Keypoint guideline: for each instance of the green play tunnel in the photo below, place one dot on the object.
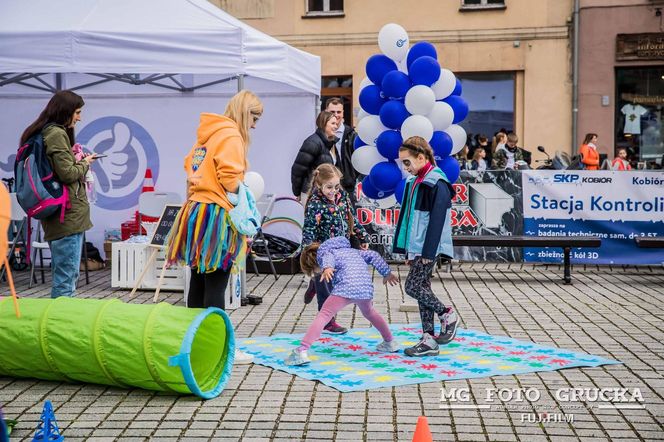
(153, 346)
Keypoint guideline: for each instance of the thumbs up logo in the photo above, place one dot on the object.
(130, 149)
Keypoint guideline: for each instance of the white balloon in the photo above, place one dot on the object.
(361, 114)
(459, 137)
(403, 66)
(255, 183)
(393, 41)
(445, 85)
(420, 100)
(365, 82)
(369, 128)
(387, 203)
(441, 116)
(416, 125)
(365, 158)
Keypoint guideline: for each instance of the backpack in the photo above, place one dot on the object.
(38, 192)
(245, 215)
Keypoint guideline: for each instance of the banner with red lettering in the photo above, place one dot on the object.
(486, 203)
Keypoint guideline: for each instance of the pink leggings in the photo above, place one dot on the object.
(332, 306)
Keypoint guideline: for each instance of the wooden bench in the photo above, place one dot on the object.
(649, 243)
(567, 243)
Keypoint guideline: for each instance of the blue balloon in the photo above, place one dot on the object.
(370, 190)
(385, 176)
(457, 89)
(442, 145)
(378, 66)
(358, 142)
(371, 99)
(459, 106)
(398, 191)
(388, 144)
(425, 70)
(393, 114)
(450, 166)
(420, 49)
(395, 84)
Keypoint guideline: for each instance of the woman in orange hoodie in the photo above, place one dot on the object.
(588, 151)
(202, 236)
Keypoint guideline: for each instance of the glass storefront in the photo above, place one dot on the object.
(490, 97)
(639, 108)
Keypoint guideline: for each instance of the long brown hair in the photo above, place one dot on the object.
(325, 172)
(418, 145)
(323, 118)
(59, 110)
(589, 138)
(308, 259)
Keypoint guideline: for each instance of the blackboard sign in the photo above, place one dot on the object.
(166, 221)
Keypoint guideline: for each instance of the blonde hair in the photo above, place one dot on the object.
(308, 259)
(500, 137)
(418, 145)
(242, 108)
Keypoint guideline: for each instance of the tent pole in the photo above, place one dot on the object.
(240, 82)
(58, 82)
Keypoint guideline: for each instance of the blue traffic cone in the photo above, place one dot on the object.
(48, 430)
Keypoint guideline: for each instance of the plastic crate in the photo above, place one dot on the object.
(128, 261)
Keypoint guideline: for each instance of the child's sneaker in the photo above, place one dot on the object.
(388, 347)
(448, 327)
(242, 357)
(297, 358)
(335, 329)
(426, 347)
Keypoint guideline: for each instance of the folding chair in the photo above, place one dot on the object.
(20, 218)
(264, 206)
(38, 246)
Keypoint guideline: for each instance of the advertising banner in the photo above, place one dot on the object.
(486, 203)
(616, 206)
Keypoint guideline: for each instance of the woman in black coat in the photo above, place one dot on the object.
(317, 149)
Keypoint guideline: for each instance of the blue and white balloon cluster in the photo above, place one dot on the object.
(406, 93)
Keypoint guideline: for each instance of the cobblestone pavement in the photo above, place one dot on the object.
(616, 312)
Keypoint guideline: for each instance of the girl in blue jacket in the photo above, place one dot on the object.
(346, 268)
(423, 233)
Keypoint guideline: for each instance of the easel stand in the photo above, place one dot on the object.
(148, 264)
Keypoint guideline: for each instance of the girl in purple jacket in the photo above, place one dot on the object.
(347, 269)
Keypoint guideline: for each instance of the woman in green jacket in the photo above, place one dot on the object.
(65, 239)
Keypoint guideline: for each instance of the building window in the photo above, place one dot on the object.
(639, 114)
(342, 87)
(490, 97)
(325, 8)
(482, 4)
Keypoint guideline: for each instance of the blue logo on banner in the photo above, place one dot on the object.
(130, 149)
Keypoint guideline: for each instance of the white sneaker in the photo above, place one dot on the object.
(242, 357)
(388, 347)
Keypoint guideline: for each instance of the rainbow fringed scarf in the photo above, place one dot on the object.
(204, 237)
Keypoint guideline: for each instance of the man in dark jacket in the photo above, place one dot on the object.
(345, 148)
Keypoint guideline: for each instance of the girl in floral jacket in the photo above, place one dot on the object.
(329, 213)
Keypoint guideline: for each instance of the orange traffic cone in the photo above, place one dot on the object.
(422, 432)
(148, 182)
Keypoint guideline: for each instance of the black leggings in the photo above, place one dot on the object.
(208, 289)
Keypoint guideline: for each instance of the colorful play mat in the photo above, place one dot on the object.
(350, 363)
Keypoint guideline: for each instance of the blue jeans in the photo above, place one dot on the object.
(66, 262)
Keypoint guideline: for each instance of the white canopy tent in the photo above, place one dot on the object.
(146, 69)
